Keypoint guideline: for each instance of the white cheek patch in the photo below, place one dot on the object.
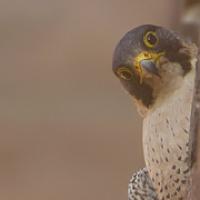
(171, 70)
(172, 76)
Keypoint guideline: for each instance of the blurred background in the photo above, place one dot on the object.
(68, 129)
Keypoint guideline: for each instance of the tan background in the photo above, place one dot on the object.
(68, 130)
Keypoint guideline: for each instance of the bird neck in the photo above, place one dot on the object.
(166, 135)
(180, 87)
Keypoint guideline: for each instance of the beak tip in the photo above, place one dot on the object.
(150, 66)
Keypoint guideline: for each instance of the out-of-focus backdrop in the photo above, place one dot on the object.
(68, 130)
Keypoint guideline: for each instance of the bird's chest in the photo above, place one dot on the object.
(165, 141)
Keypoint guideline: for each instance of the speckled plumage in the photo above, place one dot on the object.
(165, 142)
(140, 187)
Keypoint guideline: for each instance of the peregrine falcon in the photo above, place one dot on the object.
(156, 67)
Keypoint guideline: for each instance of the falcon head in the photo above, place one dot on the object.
(151, 62)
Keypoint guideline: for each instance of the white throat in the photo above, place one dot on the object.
(166, 135)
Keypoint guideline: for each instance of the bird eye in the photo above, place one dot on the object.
(150, 39)
(125, 73)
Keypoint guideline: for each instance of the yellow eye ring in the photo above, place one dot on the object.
(151, 39)
(125, 73)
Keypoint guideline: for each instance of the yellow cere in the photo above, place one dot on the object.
(145, 55)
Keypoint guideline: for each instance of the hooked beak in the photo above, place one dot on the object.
(150, 66)
(147, 61)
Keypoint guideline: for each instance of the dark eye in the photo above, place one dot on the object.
(150, 39)
(125, 73)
